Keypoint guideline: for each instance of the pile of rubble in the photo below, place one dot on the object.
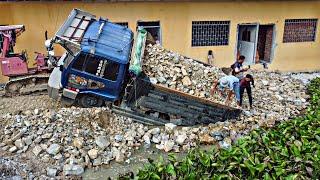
(71, 139)
(185, 74)
(179, 72)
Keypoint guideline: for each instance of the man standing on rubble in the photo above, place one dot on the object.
(245, 84)
(238, 69)
(228, 83)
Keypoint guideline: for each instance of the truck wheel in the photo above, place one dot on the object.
(88, 101)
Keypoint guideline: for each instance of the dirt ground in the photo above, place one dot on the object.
(17, 104)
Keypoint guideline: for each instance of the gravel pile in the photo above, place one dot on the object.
(72, 139)
(178, 72)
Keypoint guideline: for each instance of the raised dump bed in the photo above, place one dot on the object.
(165, 105)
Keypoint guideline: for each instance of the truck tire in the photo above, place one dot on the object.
(88, 101)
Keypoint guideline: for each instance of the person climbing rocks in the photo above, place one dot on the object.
(245, 84)
(228, 83)
(238, 69)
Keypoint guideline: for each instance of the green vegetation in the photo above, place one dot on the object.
(290, 150)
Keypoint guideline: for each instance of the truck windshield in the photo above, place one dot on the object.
(97, 66)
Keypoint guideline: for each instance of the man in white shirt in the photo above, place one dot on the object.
(228, 83)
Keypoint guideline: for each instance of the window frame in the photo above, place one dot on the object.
(214, 26)
(313, 21)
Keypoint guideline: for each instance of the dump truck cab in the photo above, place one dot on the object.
(95, 66)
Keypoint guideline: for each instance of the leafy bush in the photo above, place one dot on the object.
(290, 150)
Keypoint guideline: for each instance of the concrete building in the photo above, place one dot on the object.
(282, 34)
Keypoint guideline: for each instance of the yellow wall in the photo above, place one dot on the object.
(175, 20)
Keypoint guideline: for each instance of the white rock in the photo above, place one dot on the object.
(146, 138)
(70, 169)
(93, 153)
(53, 149)
(36, 150)
(19, 143)
(155, 131)
(27, 123)
(168, 145)
(155, 139)
(184, 72)
(118, 137)
(264, 82)
(280, 98)
(102, 142)
(36, 111)
(52, 172)
(273, 88)
(13, 149)
(28, 140)
(170, 127)
(181, 138)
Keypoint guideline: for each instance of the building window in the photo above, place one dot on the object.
(153, 28)
(300, 30)
(125, 24)
(210, 33)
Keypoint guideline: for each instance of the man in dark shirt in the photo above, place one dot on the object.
(238, 69)
(245, 83)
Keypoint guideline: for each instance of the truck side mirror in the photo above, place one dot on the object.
(61, 68)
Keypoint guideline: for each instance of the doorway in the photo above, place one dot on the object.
(256, 42)
(153, 27)
(265, 43)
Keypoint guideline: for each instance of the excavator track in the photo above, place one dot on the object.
(26, 85)
(157, 105)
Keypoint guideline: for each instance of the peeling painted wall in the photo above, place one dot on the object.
(176, 21)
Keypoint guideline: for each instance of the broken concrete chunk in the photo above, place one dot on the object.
(102, 142)
(186, 81)
(36, 150)
(93, 153)
(70, 169)
(170, 127)
(53, 149)
(78, 142)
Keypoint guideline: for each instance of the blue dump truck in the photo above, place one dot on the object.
(102, 65)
